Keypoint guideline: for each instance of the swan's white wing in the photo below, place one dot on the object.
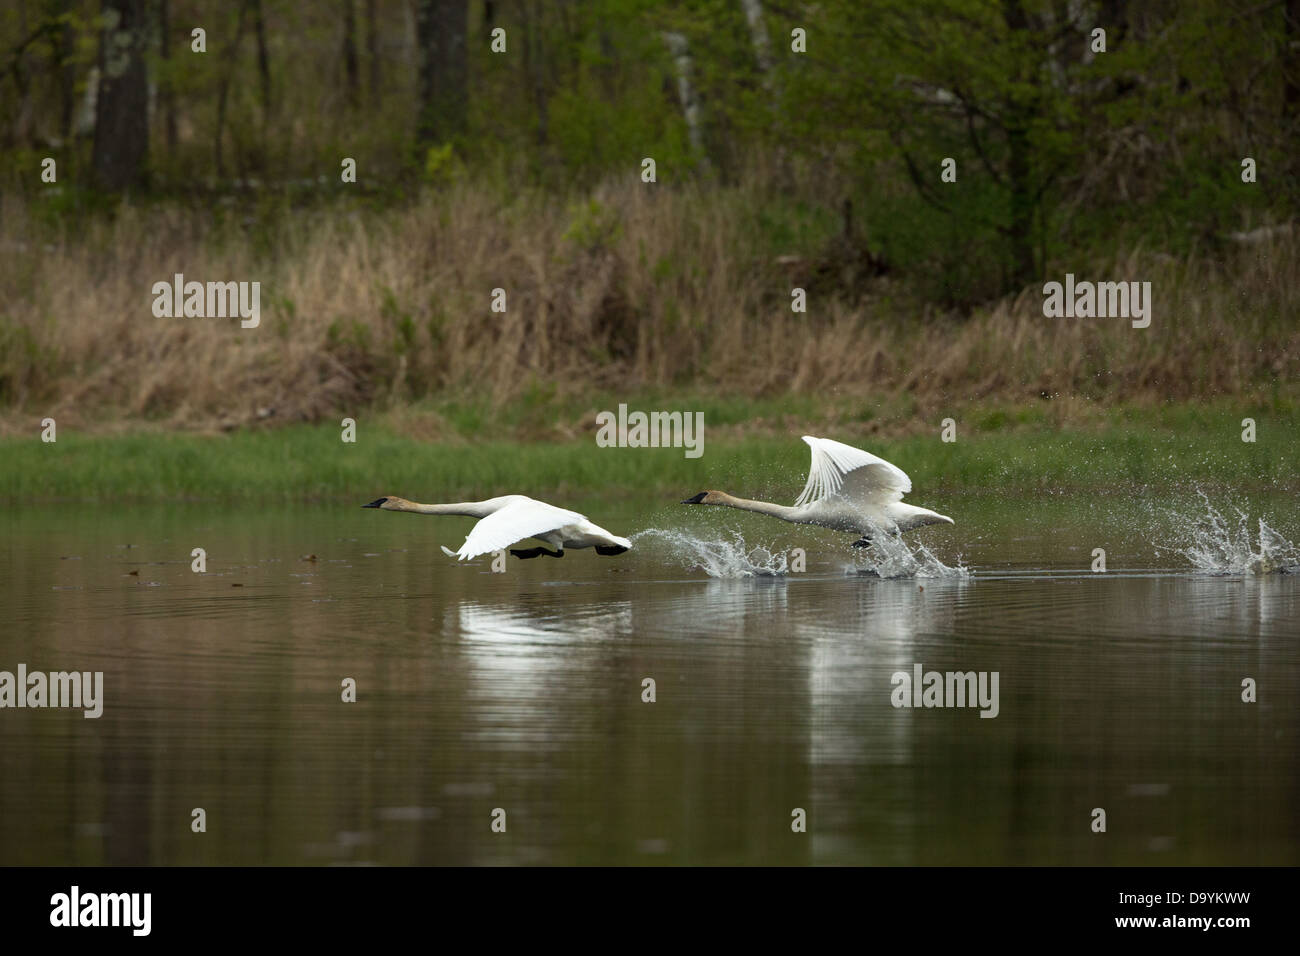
(839, 469)
(524, 518)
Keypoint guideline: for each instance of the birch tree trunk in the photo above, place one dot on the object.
(680, 49)
(758, 36)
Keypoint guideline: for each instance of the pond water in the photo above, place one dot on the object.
(517, 697)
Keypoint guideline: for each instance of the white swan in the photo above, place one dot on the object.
(848, 489)
(512, 518)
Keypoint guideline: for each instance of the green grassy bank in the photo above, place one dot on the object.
(996, 450)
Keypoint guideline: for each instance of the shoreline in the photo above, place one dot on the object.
(1174, 446)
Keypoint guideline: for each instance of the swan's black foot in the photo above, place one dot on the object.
(865, 542)
(610, 549)
(523, 554)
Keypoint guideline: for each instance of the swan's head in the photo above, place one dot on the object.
(389, 503)
(706, 498)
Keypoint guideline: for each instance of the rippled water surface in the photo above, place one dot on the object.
(523, 691)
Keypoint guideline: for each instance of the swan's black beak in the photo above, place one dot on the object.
(696, 500)
(377, 503)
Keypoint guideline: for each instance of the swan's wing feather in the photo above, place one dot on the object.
(840, 469)
(520, 519)
(875, 484)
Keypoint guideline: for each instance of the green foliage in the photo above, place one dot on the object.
(440, 166)
(592, 226)
(1061, 154)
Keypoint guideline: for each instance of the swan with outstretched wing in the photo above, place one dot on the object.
(509, 519)
(848, 489)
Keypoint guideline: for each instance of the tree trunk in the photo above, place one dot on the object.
(679, 48)
(1291, 61)
(263, 61)
(535, 67)
(223, 92)
(758, 36)
(121, 147)
(1114, 16)
(21, 128)
(1020, 107)
(168, 91)
(440, 33)
(1021, 231)
(372, 54)
(350, 68)
(63, 45)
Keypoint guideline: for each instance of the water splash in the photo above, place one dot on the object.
(731, 557)
(891, 556)
(718, 557)
(1215, 543)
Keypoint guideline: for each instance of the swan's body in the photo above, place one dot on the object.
(512, 518)
(848, 490)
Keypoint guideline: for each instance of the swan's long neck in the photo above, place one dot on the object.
(784, 512)
(470, 509)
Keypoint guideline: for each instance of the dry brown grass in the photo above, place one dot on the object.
(652, 287)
